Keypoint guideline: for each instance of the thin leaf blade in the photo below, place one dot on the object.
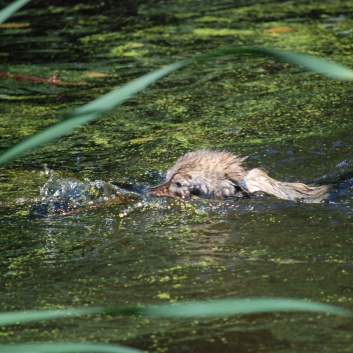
(311, 63)
(9, 10)
(88, 112)
(95, 108)
(66, 348)
(228, 307)
(13, 318)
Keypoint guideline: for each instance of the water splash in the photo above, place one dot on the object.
(66, 195)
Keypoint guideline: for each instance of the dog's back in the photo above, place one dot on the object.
(212, 174)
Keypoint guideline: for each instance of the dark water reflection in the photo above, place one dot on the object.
(155, 250)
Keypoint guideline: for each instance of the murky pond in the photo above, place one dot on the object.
(144, 249)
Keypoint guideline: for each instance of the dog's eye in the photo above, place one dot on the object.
(177, 184)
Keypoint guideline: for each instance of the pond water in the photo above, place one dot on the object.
(149, 250)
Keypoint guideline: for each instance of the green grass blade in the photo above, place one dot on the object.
(88, 112)
(100, 105)
(13, 318)
(66, 348)
(228, 307)
(309, 62)
(9, 10)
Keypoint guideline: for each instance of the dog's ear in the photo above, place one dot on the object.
(240, 186)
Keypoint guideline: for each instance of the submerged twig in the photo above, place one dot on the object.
(53, 80)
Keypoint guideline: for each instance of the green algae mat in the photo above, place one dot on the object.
(143, 250)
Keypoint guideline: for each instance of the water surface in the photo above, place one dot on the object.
(150, 250)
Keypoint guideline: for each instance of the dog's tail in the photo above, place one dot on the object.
(258, 180)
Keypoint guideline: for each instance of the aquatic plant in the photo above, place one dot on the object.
(97, 107)
(9, 10)
(93, 110)
(201, 309)
(100, 105)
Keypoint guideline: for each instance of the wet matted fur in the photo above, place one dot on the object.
(218, 175)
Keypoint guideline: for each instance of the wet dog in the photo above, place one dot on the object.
(219, 175)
